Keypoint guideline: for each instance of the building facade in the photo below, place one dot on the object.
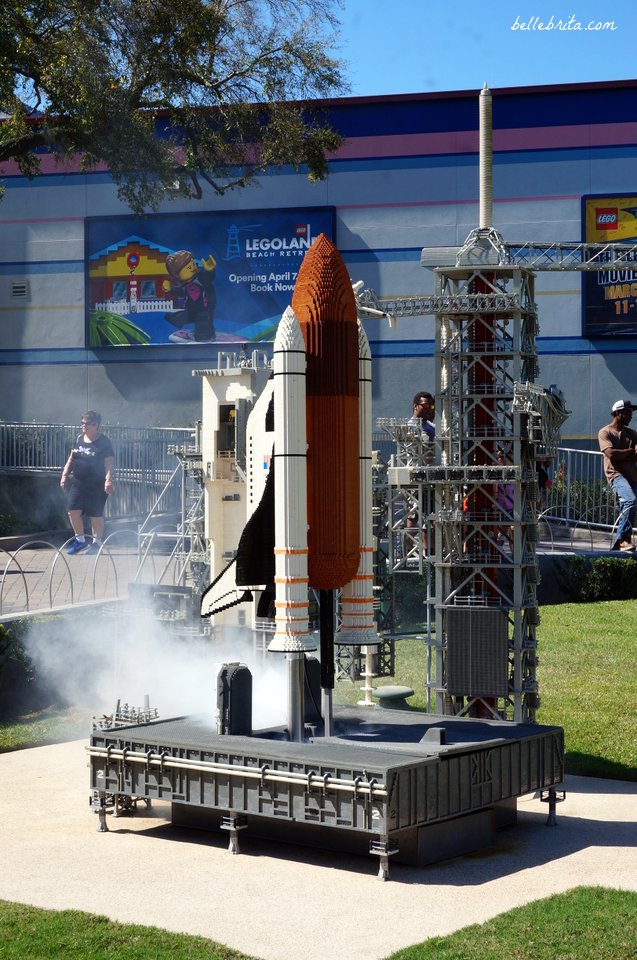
(73, 260)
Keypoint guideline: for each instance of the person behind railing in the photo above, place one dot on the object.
(88, 476)
(544, 483)
(618, 443)
(505, 496)
(422, 419)
(423, 411)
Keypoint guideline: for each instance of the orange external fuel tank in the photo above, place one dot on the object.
(324, 305)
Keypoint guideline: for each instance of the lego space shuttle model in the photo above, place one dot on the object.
(313, 526)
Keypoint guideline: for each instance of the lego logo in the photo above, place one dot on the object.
(606, 219)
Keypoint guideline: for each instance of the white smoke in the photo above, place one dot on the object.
(93, 660)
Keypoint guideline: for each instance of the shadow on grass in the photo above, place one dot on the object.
(588, 765)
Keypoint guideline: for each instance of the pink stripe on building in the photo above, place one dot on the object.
(466, 141)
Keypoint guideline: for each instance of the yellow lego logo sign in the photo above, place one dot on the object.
(611, 219)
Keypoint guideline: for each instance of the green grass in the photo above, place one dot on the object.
(51, 725)
(587, 673)
(410, 672)
(27, 933)
(588, 923)
(588, 678)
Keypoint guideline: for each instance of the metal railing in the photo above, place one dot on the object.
(143, 461)
(39, 576)
(579, 492)
(578, 495)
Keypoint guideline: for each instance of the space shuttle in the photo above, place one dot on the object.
(312, 527)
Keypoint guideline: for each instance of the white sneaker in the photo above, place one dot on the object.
(182, 336)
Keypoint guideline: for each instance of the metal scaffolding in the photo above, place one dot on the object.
(191, 552)
(462, 512)
(485, 501)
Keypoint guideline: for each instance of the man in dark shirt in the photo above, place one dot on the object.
(88, 475)
(618, 443)
(423, 411)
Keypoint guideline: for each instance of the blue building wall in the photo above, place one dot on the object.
(406, 177)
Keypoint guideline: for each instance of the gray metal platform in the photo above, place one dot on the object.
(419, 786)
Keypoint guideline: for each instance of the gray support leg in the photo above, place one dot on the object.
(99, 806)
(383, 848)
(233, 823)
(552, 797)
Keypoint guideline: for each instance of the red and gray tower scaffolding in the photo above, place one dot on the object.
(468, 520)
(493, 426)
(486, 490)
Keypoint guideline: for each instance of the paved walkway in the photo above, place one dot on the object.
(281, 902)
(39, 576)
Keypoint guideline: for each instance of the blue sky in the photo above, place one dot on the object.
(413, 46)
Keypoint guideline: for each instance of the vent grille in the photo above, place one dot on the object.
(19, 290)
(477, 653)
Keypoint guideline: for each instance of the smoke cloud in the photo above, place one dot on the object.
(94, 659)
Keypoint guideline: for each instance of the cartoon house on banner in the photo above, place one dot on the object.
(126, 281)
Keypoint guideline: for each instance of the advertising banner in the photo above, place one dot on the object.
(195, 278)
(609, 297)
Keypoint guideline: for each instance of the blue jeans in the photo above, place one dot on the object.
(626, 493)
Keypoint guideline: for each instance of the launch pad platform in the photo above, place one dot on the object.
(419, 787)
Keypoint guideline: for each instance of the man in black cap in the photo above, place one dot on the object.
(618, 443)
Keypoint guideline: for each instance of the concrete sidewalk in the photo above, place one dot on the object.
(280, 902)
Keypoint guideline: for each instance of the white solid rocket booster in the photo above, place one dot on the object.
(291, 635)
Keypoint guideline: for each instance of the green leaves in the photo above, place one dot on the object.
(219, 77)
(109, 329)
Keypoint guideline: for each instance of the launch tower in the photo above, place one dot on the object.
(476, 505)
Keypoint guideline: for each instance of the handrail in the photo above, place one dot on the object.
(155, 508)
(579, 491)
(143, 458)
(4, 577)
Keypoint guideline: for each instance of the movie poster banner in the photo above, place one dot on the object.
(195, 278)
(609, 296)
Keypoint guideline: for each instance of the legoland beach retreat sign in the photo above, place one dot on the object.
(195, 278)
(609, 296)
